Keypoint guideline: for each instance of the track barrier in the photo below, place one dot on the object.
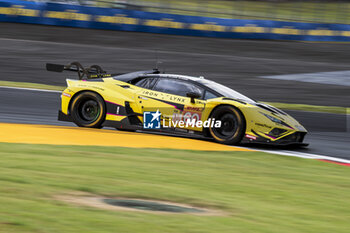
(140, 21)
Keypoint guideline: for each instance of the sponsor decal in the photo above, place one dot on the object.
(150, 93)
(186, 116)
(100, 75)
(189, 114)
(66, 94)
(193, 109)
(250, 136)
(177, 99)
(151, 120)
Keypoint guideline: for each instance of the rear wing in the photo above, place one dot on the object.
(93, 71)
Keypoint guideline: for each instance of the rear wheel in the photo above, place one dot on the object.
(88, 110)
(232, 125)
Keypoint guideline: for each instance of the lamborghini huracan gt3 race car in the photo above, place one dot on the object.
(150, 100)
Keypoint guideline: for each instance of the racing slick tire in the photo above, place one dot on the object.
(232, 125)
(88, 110)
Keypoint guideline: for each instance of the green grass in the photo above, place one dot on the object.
(311, 108)
(322, 12)
(286, 106)
(259, 192)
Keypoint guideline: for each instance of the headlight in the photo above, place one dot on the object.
(278, 121)
(274, 119)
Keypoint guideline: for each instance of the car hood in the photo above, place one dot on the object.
(287, 120)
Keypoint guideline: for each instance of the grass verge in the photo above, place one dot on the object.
(300, 107)
(259, 192)
(310, 108)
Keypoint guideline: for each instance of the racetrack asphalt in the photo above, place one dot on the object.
(33, 107)
(24, 50)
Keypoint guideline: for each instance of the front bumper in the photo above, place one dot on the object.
(295, 139)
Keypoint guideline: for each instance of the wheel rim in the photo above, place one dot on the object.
(89, 110)
(229, 126)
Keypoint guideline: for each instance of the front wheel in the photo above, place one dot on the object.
(88, 110)
(232, 125)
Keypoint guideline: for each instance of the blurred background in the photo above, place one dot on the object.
(310, 79)
(294, 55)
(313, 11)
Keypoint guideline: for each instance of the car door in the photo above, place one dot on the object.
(178, 107)
(150, 100)
(145, 98)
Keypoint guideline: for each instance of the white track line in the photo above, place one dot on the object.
(304, 155)
(31, 89)
(278, 152)
(341, 78)
(315, 156)
(287, 153)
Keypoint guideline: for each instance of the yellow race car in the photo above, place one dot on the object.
(150, 100)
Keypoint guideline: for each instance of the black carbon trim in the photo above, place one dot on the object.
(256, 134)
(115, 109)
(128, 109)
(64, 117)
(94, 80)
(123, 124)
(132, 116)
(296, 138)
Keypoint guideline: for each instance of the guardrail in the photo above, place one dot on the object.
(132, 20)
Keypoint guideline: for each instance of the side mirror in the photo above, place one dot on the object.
(193, 95)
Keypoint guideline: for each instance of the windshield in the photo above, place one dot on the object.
(225, 91)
